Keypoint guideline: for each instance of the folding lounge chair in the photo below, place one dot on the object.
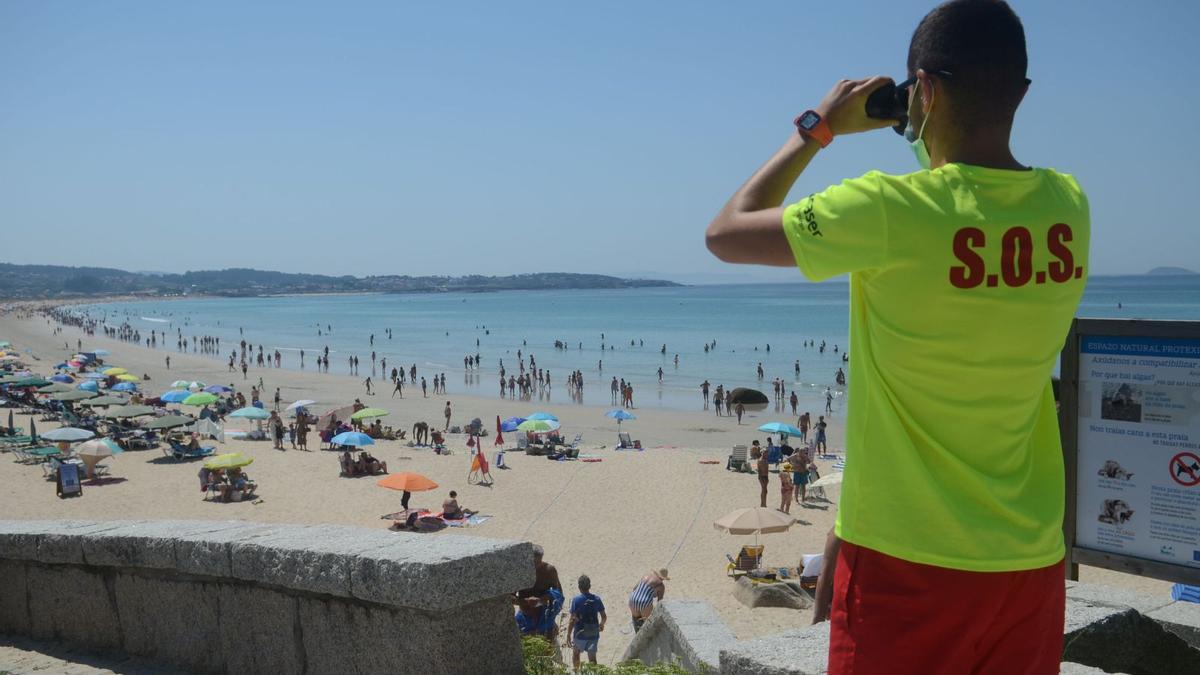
(624, 442)
(739, 459)
(749, 558)
(181, 452)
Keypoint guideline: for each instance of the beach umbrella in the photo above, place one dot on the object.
(343, 413)
(113, 372)
(129, 411)
(218, 389)
(620, 416)
(543, 416)
(250, 413)
(779, 428)
(407, 482)
(62, 377)
(55, 388)
(5, 344)
(368, 413)
(175, 395)
(196, 386)
(183, 384)
(68, 434)
(95, 450)
(90, 385)
(101, 401)
(124, 386)
(92, 376)
(538, 426)
(168, 422)
(33, 434)
(499, 430)
(11, 428)
(754, 521)
(302, 403)
(29, 381)
(833, 478)
(128, 378)
(73, 395)
(511, 423)
(352, 438)
(201, 398)
(229, 460)
(100, 352)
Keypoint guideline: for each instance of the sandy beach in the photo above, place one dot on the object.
(613, 519)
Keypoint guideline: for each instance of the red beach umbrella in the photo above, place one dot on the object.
(499, 436)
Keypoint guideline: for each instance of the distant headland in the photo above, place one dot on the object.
(23, 282)
(1170, 271)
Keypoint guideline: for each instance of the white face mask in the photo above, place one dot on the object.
(915, 139)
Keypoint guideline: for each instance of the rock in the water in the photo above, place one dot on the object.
(781, 594)
(747, 396)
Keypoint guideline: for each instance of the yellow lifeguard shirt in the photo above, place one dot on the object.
(963, 284)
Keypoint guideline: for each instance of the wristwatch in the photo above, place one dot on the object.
(812, 125)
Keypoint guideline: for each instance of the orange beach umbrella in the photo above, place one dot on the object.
(408, 482)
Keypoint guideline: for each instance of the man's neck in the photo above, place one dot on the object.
(985, 149)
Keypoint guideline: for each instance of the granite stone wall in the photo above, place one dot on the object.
(257, 598)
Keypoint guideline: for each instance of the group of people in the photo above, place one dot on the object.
(539, 605)
(229, 484)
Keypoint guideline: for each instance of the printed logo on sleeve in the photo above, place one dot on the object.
(810, 220)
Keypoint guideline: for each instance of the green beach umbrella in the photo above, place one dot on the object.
(230, 460)
(129, 411)
(181, 384)
(101, 401)
(77, 395)
(168, 422)
(29, 382)
(368, 413)
(250, 413)
(538, 426)
(200, 398)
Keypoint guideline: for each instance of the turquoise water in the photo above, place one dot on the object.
(436, 331)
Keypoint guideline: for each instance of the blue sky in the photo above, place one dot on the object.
(393, 137)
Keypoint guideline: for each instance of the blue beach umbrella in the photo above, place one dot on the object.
(175, 396)
(620, 416)
(125, 386)
(99, 352)
(352, 438)
(511, 423)
(250, 413)
(543, 416)
(779, 428)
(217, 389)
(65, 379)
(90, 385)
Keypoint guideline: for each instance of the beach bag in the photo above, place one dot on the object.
(588, 625)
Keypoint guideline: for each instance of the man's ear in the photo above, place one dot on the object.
(926, 90)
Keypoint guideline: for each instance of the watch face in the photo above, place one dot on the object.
(809, 120)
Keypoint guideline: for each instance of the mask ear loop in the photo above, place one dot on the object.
(932, 98)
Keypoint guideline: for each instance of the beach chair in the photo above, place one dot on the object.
(624, 442)
(749, 558)
(810, 570)
(522, 442)
(182, 452)
(738, 459)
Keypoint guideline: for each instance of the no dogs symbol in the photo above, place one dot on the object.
(1185, 469)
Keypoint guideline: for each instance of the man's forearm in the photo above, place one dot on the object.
(769, 186)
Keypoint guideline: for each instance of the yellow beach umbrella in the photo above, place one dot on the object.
(229, 460)
(128, 378)
(114, 371)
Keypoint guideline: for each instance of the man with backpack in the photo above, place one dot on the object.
(587, 622)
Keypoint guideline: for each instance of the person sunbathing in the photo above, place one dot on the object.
(370, 464)
(452, 511)
(240, 482)
(349, 466)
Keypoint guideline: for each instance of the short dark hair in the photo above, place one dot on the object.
(981, 43)
(453, 494)
(585, 583)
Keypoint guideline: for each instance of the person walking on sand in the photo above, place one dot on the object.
(794, 401)
(168, 363)
(763, 466)
(804, 422)
(446, 412)
(399, 388)
(586, 623)
(820, 429)
(739, 411)
(641, 601)
(278, 398)
(785, 487)
(367, 384)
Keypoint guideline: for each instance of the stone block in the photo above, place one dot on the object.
(207, 552)
(149, 544)
(492, 624)
(1107, 596)
(21, 539)
(308, 558)
(782, 594)
(797, 652)
(1122, 640)
(170, 621)
(342, 636)
(689, 631)
(259, 630)
(426, 572)
(1182, 619)
(72, 605)
(14, 610)
(64, 545)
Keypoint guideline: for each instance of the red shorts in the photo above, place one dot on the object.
(894, 616)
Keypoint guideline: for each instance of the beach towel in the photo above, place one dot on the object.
(470, 521)
(710, 461)
(591, 460)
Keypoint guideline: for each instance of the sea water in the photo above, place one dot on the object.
(606, 333)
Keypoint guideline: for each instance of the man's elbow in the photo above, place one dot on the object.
(718, 241)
